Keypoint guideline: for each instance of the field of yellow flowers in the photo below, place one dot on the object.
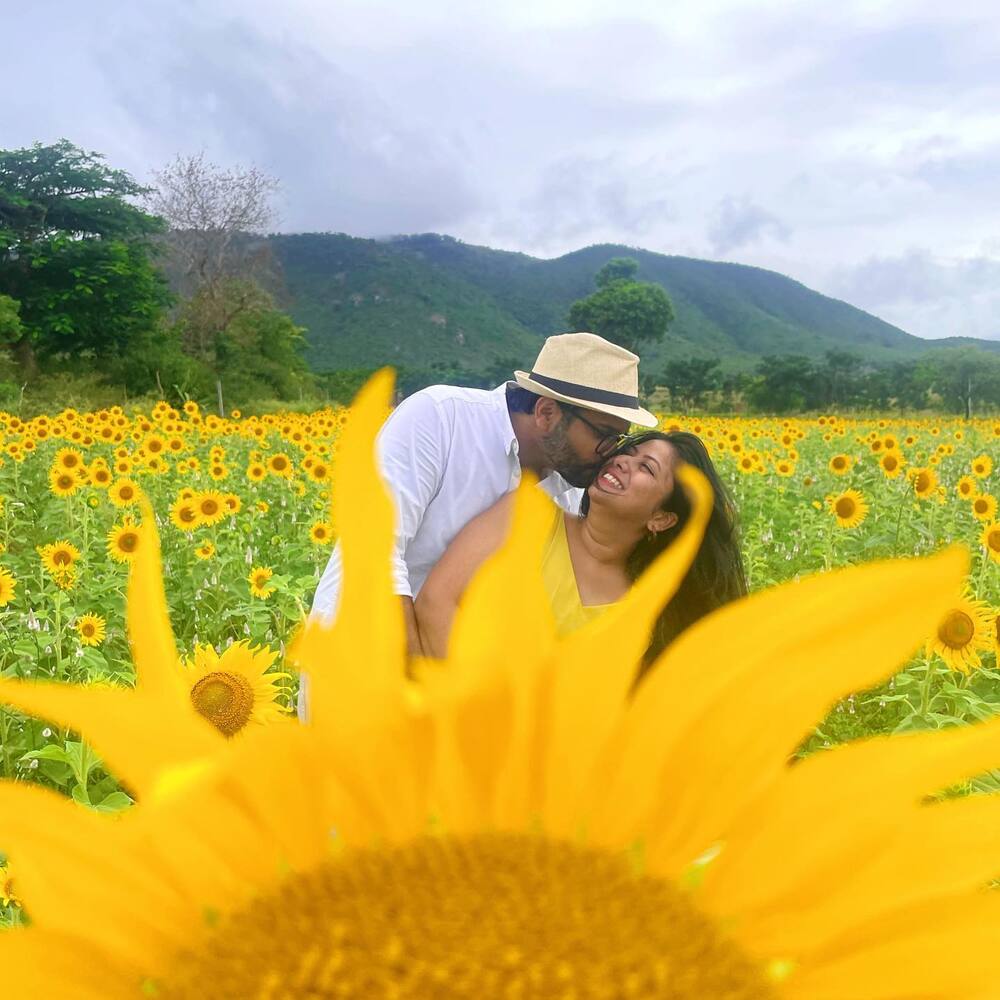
(241, 505)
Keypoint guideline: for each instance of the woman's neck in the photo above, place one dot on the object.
(605, 539)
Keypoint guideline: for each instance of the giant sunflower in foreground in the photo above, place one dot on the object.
(512, 824)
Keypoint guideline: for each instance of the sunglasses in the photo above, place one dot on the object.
(608, 440)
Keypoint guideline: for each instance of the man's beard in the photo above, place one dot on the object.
(563, 459)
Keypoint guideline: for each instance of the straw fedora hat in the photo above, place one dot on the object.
(588, 371)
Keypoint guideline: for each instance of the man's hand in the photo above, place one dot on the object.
(413, 647)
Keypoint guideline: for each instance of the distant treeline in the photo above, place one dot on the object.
(962, 381)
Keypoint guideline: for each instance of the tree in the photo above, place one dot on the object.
(689, 379)
(965, 378)
(785, 383)
(622, 310)
(210, 212)
(255, 348)
(617, 269)
(10, 319)
(75, 253)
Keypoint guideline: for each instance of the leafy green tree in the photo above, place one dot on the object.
(785, 383)
(622, 310)
(10, 319)
(691, 379)
(965, 378)
(617, 269)
(243, 340)
(75, 253)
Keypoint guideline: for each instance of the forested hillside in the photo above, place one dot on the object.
(411, 298)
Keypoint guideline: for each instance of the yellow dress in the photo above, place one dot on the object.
(560, 582)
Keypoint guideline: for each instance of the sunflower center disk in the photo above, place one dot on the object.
(492, 915)
(225, 699)
(957, 630)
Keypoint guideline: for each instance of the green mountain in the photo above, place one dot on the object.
(413, 300)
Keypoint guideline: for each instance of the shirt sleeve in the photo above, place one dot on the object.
(411, 447)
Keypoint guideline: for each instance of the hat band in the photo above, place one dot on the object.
(589, 393)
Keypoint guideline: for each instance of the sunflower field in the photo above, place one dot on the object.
(242, 509)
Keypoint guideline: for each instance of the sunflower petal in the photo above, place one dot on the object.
(373, 731)
(150, 634)
(487, 692)
(837, 807)
(595, 666)
(138, 736)
(839, 632)
(51, 840)
(938, 951)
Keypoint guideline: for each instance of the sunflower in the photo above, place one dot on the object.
(784, 468)
(8, 587)
(259, 587)
(256, 472)
(967, 487)
(279, 465)
(891, 463)
(516, 825)
(990, 540)
(840, 465)
(91, 629)
(319, 472)
(218, 472)
(206, 550)
(69, 459)
(320, 533)
(984, 507)
(99, 476)
(184, 514)
(964, 630)
(233, 503)
(982, 466)
(124, 492)
(123, 541)
(8, 896)
(850, 508)
(924, 482)
(63, 482)
(235, 689)
(59, 557)
(211, 507)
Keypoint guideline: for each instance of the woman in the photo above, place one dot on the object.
(630, 513)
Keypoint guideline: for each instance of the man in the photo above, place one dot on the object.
(448, 453)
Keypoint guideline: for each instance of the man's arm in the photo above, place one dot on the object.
(439, 596)
(412, 447)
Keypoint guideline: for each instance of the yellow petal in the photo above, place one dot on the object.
(935, 851)
(756, 675)
(151, 637)
(70, 861)
(137, 735)
(46, 964)
(486, 695)
(373, 732)
(596, 667)
(939, 951)
(835, 807)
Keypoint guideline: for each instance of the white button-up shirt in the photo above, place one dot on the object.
(447, 454)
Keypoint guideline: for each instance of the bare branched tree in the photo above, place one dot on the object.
(209, 210)
(214, 214)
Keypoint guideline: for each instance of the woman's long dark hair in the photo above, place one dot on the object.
(717, 575)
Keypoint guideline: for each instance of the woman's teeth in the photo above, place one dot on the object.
(612, 480)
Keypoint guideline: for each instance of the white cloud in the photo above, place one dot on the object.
(823, 141)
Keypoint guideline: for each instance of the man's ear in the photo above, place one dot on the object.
(547, 414)
(661, 521)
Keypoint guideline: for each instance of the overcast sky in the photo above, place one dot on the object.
(854, 146)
